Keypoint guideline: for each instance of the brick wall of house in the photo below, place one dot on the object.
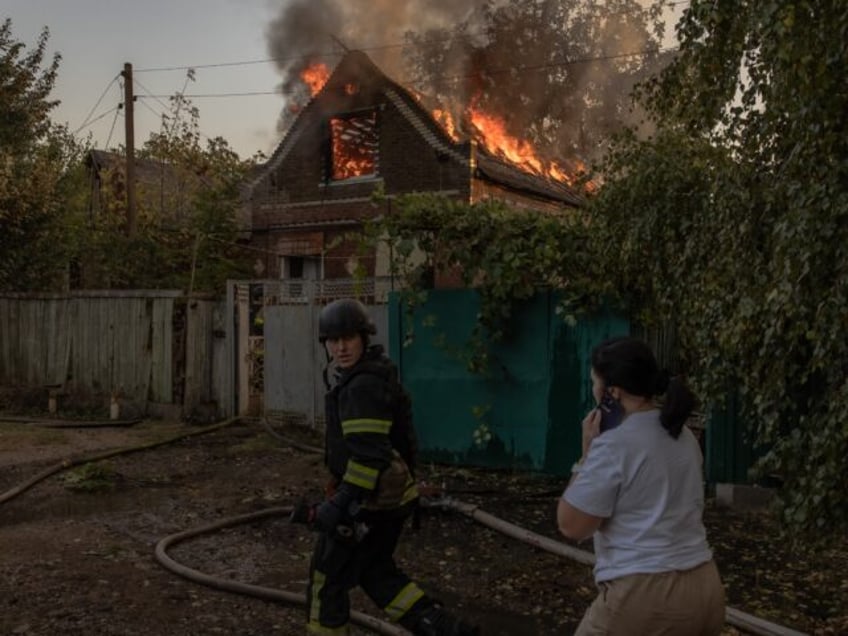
(410, 164)
(343, 255)
(297, 196)
(407, 163)
(481, 190)
(413, 155)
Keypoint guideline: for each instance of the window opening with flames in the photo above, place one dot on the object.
(354, 145)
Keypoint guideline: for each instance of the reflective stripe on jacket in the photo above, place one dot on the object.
(370, 439)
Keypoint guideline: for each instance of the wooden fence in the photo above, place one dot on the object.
(155, 350)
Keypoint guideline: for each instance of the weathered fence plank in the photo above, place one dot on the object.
(115, 342)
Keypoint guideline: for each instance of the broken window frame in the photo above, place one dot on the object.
(372, 133)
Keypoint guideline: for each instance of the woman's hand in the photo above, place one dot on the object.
(591, 428)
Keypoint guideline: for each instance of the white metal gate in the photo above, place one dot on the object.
(277, 360)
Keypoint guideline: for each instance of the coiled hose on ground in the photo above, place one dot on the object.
(258, 591)
(737, 618)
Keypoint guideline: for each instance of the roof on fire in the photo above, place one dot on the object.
(356, 64)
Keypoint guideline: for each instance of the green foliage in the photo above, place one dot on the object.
(187, 220)
(506, 254)
(188, 224)
(569, 64)
(39, 169)
(733, 221)
(26, 89)
(729, 222)
(91, 478)
(482, 434)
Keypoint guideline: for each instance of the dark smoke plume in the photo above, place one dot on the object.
(307, 31)
(556, 71)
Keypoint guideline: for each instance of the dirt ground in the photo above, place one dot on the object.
(77, 548)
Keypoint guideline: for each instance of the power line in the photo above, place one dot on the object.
(219, 65)
(156, 114)
(112, 129)
(539, 67)
(150, 94)
(96, 119)
(97, 103)
(194, 95)
(536, 67)
(161, 115)
(313, 56)
(550, 65)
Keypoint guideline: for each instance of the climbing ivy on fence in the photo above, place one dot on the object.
(506, 254)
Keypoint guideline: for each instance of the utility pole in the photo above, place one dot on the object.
(130, 144)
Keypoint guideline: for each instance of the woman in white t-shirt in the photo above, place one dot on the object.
(638, 490)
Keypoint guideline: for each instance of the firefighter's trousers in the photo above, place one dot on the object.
(338, 566)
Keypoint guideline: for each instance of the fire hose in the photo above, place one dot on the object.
(258, 591)
(734, 617)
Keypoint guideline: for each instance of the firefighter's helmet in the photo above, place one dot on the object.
(345, 317)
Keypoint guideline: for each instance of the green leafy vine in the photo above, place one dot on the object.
(506, 254)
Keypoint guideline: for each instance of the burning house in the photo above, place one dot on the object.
(361, 131)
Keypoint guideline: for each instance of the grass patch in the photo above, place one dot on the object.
(91, 477)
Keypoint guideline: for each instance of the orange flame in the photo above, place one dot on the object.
(488, 129)
(445, 120)
(315, 76)
(354, 147)
(491, 132)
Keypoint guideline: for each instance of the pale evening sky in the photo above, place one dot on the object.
(96, 38)
(223, 40)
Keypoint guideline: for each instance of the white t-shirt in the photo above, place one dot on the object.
(648, 487)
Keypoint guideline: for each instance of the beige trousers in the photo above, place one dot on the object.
(677, 603)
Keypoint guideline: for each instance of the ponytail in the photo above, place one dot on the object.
(677, 407)
(630, 364)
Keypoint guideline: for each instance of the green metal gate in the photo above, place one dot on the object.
(526, 411)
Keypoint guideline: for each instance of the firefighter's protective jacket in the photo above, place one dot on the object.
(370, 440)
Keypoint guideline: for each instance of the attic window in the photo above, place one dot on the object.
(354, 146)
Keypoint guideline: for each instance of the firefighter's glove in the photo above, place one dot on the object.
(304, 512)
(340, 509)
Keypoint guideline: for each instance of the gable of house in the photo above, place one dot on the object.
(362, 132)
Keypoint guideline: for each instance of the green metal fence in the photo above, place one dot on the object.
(526, 410)
(730, 452)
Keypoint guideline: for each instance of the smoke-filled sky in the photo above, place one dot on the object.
(512, 61)
(229, 43)
(315, 27)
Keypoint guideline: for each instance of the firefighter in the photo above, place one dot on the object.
(370, 453)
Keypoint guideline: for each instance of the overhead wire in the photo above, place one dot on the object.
(244, 94)
(97, 103)
(550, 65)
(158, 98)
(535, 67)
(447, 78)
(513, 69)
(112, 128)
(150, 94)
(98, 118)
(323, 54)
(151, 109)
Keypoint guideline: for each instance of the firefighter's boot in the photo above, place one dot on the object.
(435, 621)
